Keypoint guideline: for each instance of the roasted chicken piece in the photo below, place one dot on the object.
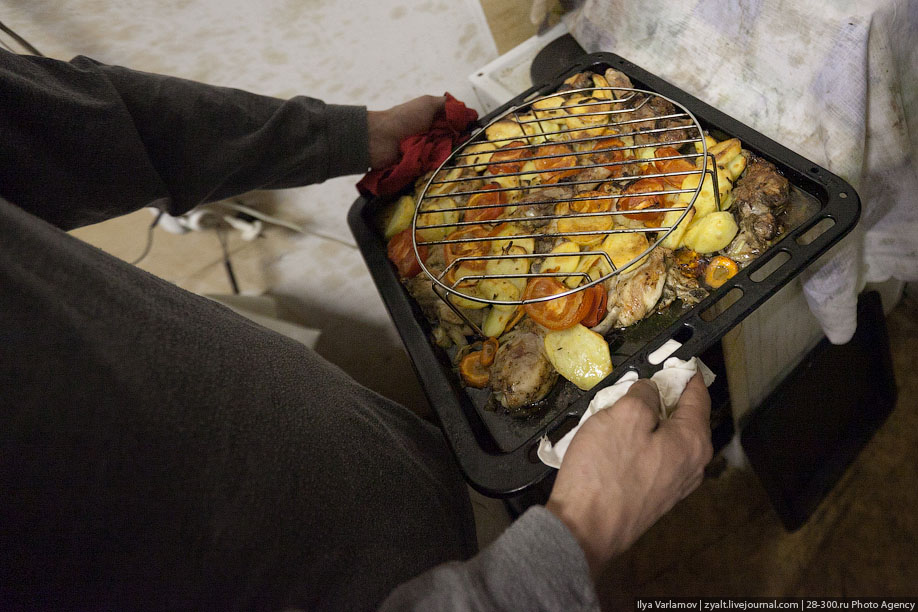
(521, 373)
(658, 107)
(761, 187)
(759, 197)
(580, 80)
(421, 289)
(664, 108)
(589, 179)
(616, 78)
(641, 118)
(438, 312)
(637, 293)
(540, 202)
(684, 269)
(684, 287)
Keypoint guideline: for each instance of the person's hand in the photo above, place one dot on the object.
(387, 128)
(625, 468)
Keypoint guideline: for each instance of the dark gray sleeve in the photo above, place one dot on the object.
(81, 142)
(536, 564)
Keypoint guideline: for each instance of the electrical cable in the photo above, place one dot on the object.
(281, 222)
(22, 41)
(146, 249)
(262, 216)
(227, 264)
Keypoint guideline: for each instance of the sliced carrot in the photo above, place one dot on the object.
(468, 246)
(401, 252)
(473, 372)
(487, 200)
(602, 154)
(488, 351)
(689, 262)
(720, 269)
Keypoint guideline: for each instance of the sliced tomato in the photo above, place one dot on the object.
(489, 198)
(644, 202)
(559, 313)
(602, 155)
(598, 305)
(549, 166)
(591, 202)
(672, 165)
(570, 225)
(509, 158)
(401, 252)
(469, 247)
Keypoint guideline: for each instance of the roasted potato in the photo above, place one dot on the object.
(725, 150)
(462, 302)
(533, 129)
(504, 132)
(511, 229)
(579, 355)
(581, 111)
(445, 212)
(622, 248)
(674, 240)
(706, 203)
(711, 233)
(710, 142)
(567, 258)
(533, 177)
(496, 320)
(549, 108)
(401, 216)
(516, 266)
(479, 154)
(735, 167)
(444, 181)
(500, 289)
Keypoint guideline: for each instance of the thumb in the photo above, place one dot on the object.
(694, 406)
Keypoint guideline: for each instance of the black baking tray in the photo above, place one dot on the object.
(496, 451)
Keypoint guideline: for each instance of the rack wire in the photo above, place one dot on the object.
(554, 142)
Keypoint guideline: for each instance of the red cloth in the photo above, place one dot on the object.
(422, 152)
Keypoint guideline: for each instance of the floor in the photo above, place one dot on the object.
(724, 539)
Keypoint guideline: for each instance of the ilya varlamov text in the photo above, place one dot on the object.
(775, 604)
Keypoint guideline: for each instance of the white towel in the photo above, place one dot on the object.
(671, 381)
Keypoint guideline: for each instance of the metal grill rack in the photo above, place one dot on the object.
(598, 114)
